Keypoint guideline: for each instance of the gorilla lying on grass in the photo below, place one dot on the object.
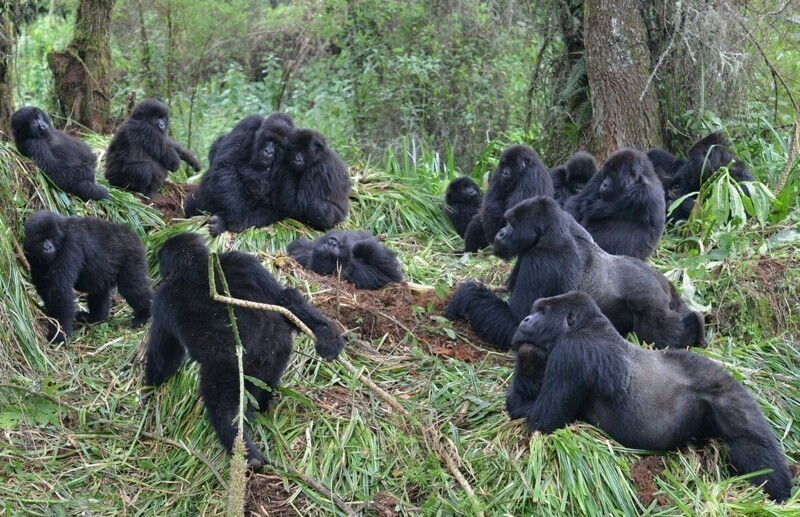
(572, 364)
(556, 255)
(186, 319)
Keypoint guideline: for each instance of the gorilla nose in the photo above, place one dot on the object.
(527, 321)
(502, 234)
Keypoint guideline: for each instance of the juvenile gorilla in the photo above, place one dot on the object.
(666, 166)
(362, 260)
(622, 206)
(571, 364)
(571, 178)
(66, 160)
(556, 255)
(241, 187)
(89, 255)
(520, 174)
(141, 152)
(186, 319)
(316, 189)
(704, 158)
(462, 200)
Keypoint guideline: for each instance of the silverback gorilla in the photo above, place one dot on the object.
(572, 364)
(89, 255)
(66, 160)
(556, 255)
(186, 319)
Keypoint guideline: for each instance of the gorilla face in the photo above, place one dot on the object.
(622, 170)
(153, 112)
(550, 319)
(528, 223)
(329, 253)
(307, 149)
(30, 122)
(463, 191)
(43, 238)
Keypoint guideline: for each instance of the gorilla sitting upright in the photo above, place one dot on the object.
(572, 364)
(186, 319)
(556, 255)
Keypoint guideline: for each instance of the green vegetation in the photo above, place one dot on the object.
(409, 100)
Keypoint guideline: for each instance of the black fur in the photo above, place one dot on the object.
(556, 255)
(622, 206)
(185, 319)
(66, 160)
(361, 259)
(571, 178)
(666, 166)
(462, 200)
(89, 255)
(704, 158)
(520, 174)
(316, 189)
(571, 364)
(141, 152)
(241, 188)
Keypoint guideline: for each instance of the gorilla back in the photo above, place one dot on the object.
(572, 364)
(186, 319)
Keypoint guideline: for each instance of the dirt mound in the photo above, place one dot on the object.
(267, 496)
(170, 200)
(396, 314)
(643, 474)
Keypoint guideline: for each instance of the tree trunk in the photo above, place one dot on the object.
(625, 111)
(6, 67)
(81, 71)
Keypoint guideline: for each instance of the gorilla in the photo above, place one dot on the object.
(571, 364)
(462, 200)
(622, 206)
(570, 178)
(666, 166)
(556, 255)
(89, 255)
(316, 188)
(186, 319)
(241, 187)
(66, 160)
(141, 152)
(704, 158)
(520, 174)
(363, 261)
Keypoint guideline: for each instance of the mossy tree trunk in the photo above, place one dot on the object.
(625, 108)
(81, 71)
(6, 68)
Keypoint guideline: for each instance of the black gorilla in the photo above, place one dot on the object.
(242, 186)
(141, 152)
(316, 189)
(66, 160)
(704, 158)
(571, 364)
(462, 200)
(622, 206)
(666, 166)
(570, 178)
(520, 174)
(91, 256)
(362, 260)
(556, 255)
(186, 319)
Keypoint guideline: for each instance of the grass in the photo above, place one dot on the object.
(76, 438)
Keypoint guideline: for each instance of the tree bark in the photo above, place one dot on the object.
(81, 71)
(625, 110)
(6, 67)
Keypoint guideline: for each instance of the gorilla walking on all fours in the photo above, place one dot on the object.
(186, 319)
(89, 255)
(572, 364)
(520, 175)
(362, 260)
(556, 255)
(66, 160)
(242, 186)
(622, 206)
(141, 152)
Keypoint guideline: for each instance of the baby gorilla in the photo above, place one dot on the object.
(462, 200)
(363, 260)
(141, 152)
(186, 319)
(570, 178)
(572, 364)
(91, 256)
(66, 160)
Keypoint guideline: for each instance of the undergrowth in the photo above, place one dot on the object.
(77, 438)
